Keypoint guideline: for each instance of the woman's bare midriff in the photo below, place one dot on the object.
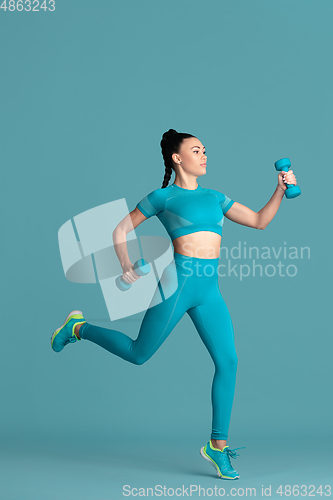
(202, 245)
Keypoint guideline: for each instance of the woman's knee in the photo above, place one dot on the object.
(140, 359)
(227, 362)
(232, 361)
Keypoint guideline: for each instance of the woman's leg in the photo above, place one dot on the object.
(157, 324)
(213, 323)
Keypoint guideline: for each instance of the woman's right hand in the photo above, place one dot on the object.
(129, 275)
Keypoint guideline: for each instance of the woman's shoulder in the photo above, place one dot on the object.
(216, 192)
(160, 193)
(223, 199)
(154, 202)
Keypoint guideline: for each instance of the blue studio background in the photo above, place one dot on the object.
(86, 93)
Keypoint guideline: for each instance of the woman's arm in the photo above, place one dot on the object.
(259, 220)
(127, 224)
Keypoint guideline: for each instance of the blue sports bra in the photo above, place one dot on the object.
(185, 211)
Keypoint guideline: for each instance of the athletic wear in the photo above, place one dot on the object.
(184, 211)
(198, 295)
(65, 334)
(221, 460)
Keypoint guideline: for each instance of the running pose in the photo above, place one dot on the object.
(193, 217)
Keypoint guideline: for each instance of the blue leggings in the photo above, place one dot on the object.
(198, 295)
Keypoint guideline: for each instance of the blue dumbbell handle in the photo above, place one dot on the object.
(286, 169)
(141, 267)
(283, 165)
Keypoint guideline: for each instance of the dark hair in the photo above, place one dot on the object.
(170, 144)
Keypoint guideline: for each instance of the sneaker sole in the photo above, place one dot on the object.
(219, 473)
(72, 313)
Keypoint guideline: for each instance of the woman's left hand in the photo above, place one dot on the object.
(286, 178)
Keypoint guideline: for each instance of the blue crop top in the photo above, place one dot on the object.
(185, 211)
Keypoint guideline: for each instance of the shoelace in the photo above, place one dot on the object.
(230, 453)
(67, 341)
(71, 339)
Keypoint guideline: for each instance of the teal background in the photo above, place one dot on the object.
(86, 93)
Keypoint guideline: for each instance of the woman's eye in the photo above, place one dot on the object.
(198, 152)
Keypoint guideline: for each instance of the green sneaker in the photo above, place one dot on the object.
(221, 460)
(65, 334)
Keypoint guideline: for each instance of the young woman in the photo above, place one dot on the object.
(193, 217)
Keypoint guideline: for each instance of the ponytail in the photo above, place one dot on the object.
(170, 144)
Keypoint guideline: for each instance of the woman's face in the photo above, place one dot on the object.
(192, 154)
